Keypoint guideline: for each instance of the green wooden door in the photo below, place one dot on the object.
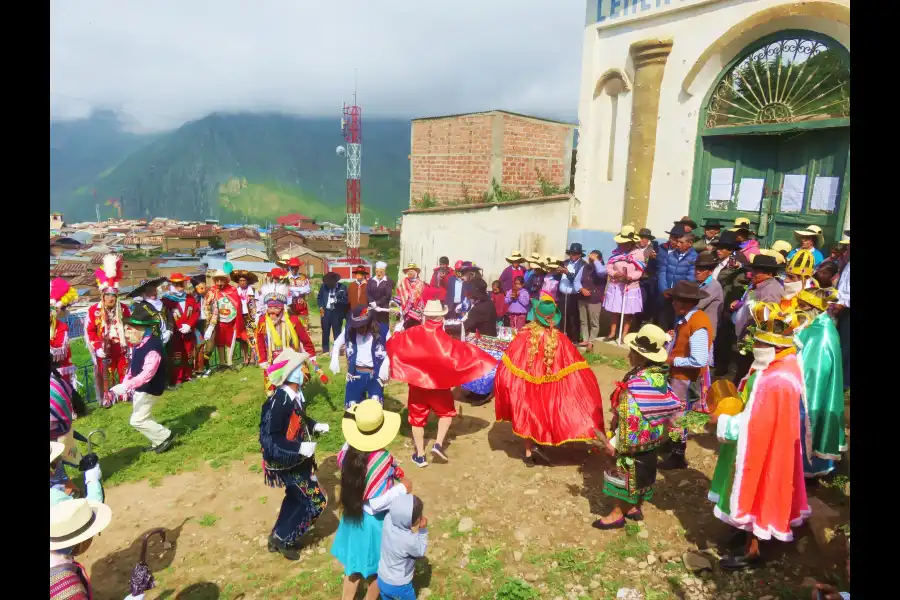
(773, 181)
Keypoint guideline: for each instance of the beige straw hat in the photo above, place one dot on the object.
(56, 450)
(368, 427)
(650, 342)
(74, 521)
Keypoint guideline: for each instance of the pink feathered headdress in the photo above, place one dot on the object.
(61, 293)
(109, 276)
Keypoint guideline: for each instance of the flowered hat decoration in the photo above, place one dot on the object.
(62, 294)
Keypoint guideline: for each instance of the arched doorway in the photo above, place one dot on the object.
(774, 138)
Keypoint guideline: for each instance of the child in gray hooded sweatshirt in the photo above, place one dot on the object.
(401, 546)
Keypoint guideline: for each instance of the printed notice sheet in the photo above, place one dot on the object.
(720, 184)
(750, 192)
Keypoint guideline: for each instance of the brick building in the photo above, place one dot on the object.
(458, 156)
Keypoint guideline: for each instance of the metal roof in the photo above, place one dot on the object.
(215, 264)
(239, 252)
(70, 268)
(179, 264)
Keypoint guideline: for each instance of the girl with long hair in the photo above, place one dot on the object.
(370, 479)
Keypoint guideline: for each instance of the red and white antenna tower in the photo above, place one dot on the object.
(351, 125)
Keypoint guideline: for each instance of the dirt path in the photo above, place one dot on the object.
(533, 524)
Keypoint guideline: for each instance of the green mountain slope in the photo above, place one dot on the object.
(289, 163)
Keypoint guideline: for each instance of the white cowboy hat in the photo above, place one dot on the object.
(219, 274)
(627, 234)
(650, 342)
(56, 450)
(516, 256)
(434, 308)
(74, 521)
(811, 231)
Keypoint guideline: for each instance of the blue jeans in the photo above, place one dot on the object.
(365, 385)
(396, 592)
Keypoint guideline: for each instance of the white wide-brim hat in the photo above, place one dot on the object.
(434, 308)
(77, 520)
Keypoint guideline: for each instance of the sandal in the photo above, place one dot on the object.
(599, 524)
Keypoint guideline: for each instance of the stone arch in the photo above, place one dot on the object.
(613, 82)
(829, 18)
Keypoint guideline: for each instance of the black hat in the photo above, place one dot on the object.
(330, 278)
(765, 262)
(479, 289)
(712, 224)
(645, 233)
(687, 290)
(706, 259)
(198, 279)
(141, 317)
(145, 283)
(726, 239)
(575, 248)
(468, 267)
(687, 221)
(360, 317)
(678, 230)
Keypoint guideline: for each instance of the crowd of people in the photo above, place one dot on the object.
(687, 311)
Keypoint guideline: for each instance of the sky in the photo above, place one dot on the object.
(166, 62)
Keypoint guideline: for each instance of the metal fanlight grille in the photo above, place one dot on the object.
(785, 81)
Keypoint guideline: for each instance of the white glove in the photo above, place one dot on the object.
(208, 333)
(185, 329)
(335, 367)
(118, 389)
(166, 336)
(100, 353)
(321, 428)
(373, 305)
(307, 449)
(263, 365)
(93, 475)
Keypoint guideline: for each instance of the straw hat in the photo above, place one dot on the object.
(284, 364)
(535, 259)
(811, 231)
(56, 450)
(412, 267)
(782, 246)
(434, 308)
(74, 521)
(741, 224)
(248, 275)
(552, 262)
(368, 427)
(627, 234)
(650, 342)
(219, 274)
(283, 261)
(516, 256)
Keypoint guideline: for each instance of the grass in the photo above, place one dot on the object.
(208, 520)
(616, 362)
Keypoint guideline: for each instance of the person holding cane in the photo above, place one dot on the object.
(624, 270)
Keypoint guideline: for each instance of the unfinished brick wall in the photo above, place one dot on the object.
(455, 155)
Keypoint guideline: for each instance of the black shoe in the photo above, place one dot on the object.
(599, 524)
(673, 462)
(528, 460)
(286, 551)
(739, 563)
(637, 515)
(271, 545)
(483, 401)
(148, 448)
(540, 453)
(165, 444)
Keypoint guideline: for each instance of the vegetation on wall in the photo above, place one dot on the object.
(497, 194)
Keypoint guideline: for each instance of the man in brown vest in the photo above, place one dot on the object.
(356, 291)
(689, 353)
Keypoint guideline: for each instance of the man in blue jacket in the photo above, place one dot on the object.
(333, 304)
(674, 265)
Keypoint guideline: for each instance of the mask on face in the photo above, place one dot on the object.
(133, 336)
(792, 288)
(763, 357)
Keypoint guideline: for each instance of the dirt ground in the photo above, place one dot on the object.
(529, 524)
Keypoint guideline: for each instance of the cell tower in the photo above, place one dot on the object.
(351, 125)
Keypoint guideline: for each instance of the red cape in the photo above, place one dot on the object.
(426, 357)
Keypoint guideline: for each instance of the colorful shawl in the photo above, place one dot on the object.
(409, 297)
(381, 474)
(60, 407)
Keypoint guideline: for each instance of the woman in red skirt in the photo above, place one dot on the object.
(544, 387)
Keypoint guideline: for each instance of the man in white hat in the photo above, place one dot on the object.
(379, 292)
(412, 355)
(810, 238)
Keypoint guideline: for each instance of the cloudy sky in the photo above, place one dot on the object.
(167, 61)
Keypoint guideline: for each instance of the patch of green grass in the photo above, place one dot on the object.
(237, 508)
(208, 520)
(616, 362)
(263, 499)
(516, 589)
(628, 546)
(484, 559)
(255, 468)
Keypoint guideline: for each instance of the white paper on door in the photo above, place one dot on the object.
(792, 192)
(720, 184)
(750, 192)
(824, 194)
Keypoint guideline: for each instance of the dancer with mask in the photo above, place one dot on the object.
(819, 351)
(410, 297)
(287, 438)
(225, 322)
(103, 328)
(379, 292)
(146, 294)
(246, 280)
(758, 482)
(368, 367)
(146, 378)
(276, 330)
(185, 312)
(798, 275)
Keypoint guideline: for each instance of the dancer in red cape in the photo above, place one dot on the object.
(545, 387)
(432, 363)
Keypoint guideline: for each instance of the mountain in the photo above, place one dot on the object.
(243, 167)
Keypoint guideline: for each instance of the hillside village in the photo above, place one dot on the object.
(161, 246)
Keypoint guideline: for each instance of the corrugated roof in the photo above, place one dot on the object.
(70, 269)
(292, 218)
(98, 259)
(180, 264)
(239, 252)
(198, 231)
(147, 240)
(239, 265)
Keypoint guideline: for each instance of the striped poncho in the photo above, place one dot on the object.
(60, 407)
(381, 473)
